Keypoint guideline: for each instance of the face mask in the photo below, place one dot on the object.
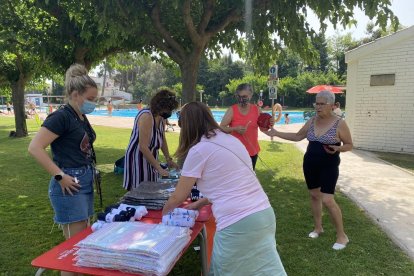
(166, 115)
(243, 101)
(87, 107)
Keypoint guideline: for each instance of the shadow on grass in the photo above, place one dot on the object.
(274, 147)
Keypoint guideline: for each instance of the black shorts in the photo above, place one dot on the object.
(254, 160)
(321, 172)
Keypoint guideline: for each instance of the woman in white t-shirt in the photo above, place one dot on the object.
(244, 243)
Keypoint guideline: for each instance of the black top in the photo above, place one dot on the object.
(73, 148)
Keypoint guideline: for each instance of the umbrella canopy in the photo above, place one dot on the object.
(318, 88)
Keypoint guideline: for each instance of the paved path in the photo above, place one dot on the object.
(383, 190)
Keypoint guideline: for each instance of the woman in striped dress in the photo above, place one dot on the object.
(147, 137)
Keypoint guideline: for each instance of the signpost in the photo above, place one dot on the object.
(272, 84)
(201, 95)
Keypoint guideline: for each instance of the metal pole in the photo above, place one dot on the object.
(273, 114)
(203, 251)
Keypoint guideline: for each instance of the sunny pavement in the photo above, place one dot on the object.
(384, 191)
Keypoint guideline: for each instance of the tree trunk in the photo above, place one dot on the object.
(80, 54)
(18, 105)
(189, 75)
(104, 80)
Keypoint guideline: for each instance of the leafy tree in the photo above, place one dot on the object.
(187, 30)
(151, 77)
(321, 46)
(258, 83)
(78, 38)
(338, 45)
(294, 89)
(23, 40)
(289, 64)
(36, 33)
(214, 75)
(222, 95)
(178, 88)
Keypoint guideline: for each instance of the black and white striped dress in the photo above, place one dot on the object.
(137, 168)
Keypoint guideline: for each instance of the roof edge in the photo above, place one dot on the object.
(378, 44)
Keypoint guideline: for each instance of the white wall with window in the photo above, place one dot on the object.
(380, 93)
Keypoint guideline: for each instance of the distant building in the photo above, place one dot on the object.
(380, 93)
(36, 99)
(111, 90)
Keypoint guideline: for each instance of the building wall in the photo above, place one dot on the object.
(381, 118)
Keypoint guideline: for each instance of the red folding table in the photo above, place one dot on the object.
(61, 256)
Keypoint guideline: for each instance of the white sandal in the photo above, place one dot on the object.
(314, 234)
(340, 246)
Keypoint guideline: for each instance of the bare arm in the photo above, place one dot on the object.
(166, 152)
(145, 128)
(37, 148)
(225, 122)
(183, 189)
(345, 136)
(298, 136)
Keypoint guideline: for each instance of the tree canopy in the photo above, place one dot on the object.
(186, 30)
(23, 51)
(37, 36)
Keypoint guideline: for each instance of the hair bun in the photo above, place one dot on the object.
(77, 79)
(76, 70)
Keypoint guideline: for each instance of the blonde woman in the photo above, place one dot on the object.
(70, 137)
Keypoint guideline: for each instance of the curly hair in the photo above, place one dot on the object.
(163, 100)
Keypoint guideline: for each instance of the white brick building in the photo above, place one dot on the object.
(380, 93)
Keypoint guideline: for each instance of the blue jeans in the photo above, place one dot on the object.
(79, 207)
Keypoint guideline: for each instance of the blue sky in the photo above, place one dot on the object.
(403, 9)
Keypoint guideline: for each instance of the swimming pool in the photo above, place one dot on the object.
(296, 117)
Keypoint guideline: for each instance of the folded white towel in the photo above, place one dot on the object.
(180, 217)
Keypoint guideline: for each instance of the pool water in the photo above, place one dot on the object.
(296, 117)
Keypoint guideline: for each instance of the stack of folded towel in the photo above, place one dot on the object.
(152, 195)
(180, 217)
(133, 247)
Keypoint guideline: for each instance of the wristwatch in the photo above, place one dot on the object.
(59, 176)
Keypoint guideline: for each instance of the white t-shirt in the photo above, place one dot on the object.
(225, 179)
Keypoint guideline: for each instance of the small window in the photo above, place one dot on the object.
(381, 80)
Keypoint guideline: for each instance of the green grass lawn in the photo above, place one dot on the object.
(26, 216)
(405, 161)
